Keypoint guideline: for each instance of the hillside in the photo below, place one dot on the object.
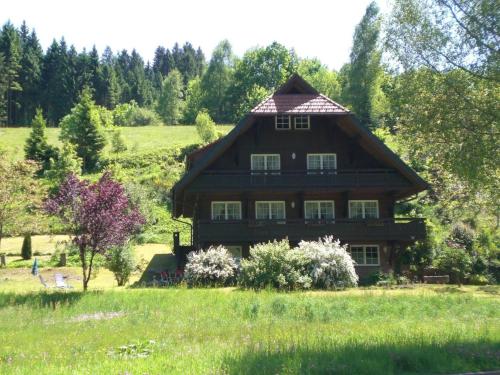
(142, 138)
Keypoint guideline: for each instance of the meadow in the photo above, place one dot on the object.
(228, 331)
(138, 138)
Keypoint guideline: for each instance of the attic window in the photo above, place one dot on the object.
(301, 122)
(282, 122)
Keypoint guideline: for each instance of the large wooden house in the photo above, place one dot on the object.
(299, 166)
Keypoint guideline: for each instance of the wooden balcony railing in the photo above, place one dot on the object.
(224, 180)
(407, 229)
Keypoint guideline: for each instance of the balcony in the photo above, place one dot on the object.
(407, 229)
(227, 180)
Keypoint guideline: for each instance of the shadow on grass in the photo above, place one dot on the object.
(368, 359)
(158, 263)
(490, 289)
(42, 299)
(449, 289)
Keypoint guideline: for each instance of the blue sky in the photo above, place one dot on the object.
(315, 28)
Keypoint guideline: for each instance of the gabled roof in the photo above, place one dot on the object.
(299, 104)
(297, 87)
(297, 96)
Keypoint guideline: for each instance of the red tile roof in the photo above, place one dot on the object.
(298, 103)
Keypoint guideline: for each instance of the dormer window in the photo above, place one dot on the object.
(302, 122)
(283, 122)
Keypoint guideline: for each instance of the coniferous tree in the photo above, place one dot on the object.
(30, 74)
(26, 247)
(83, 128)
(3, 90)
(364, 70)
(10, 47)
(37, 147)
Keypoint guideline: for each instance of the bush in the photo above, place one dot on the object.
(212, 267)
(205, 127)
(462, 236)
(455, 262)
(120, 260)
(117, 141)
(329, 263)
(130, 114)
(479, 280)
(320, 264)
(26, 248)
(275, 265)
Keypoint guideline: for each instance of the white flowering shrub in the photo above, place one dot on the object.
(330, 266)
(212, 267)
(275, 265)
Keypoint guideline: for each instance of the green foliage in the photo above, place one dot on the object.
(117, 141)
(462, 236)
(26, 248)
(36, 147)
(260, 70)
(214, 266)
(194, 101)
(121, 261)
(275, 265)
(253, 97)
(169, 105)
(66, 162)
(362, 85)
(455, 262)
(83, 128)
(324, 80)
(419, 257)
(20, 196)
(217, 80)
(205, 127)
(130, 114)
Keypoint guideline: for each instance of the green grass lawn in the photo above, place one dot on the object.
(137, 138)
(424, 330)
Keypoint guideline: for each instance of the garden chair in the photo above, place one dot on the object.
(42, 280)
(164, 278)
(60, 282)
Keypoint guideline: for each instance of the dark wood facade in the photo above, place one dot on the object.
(365, 170)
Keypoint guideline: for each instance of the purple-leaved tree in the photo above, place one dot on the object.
(99, 216)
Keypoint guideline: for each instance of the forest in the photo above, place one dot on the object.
(424, 78)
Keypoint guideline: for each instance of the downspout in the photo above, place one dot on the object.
(181, 221)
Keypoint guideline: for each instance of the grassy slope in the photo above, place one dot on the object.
(424, 330)
(136, 138)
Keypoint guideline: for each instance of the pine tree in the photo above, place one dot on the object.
(67, 162)
(83, 128)
(10, 47)
(26, 247)
(37, 147)
(30, 75)
(3, 90)
(170, 102)
(364, 70)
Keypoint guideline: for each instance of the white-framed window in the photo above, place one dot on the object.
(319, 210)
(363, 209)
(302, 122)
(235, 251)
(270, 210)
(265, 162)
(226, 210)
(318, 162)
(282, 122)
(365, 255)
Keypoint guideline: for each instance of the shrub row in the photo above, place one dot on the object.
(321, 264)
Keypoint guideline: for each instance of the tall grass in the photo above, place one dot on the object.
(230, 331)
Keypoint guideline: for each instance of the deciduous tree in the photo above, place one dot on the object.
(99, 217)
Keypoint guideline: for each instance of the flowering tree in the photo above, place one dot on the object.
(99, 216)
